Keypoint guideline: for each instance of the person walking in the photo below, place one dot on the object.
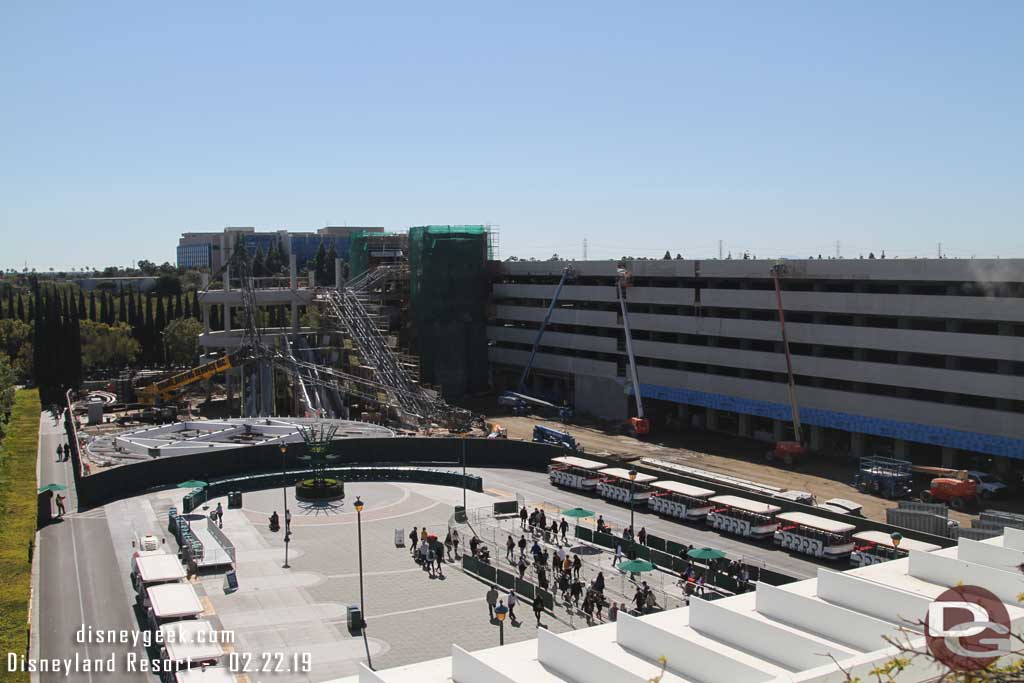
(538, 607)
(60, 505)
(60, 452)
(598, 604)
(642, 536)
(522, 517)
(511, 601)
(564, 527)
(287, 521)
(510, 550)
(430, 559)
(577, 565)
(535, 550)
(556, 562)
(220, 516)
(522, 546)
(618, 554)
(448, 545)
(424, 554)
(567, 566)
(492, 600)
(423, 534)
(415, 541)
(599, 583)
(613, 612)
(522, 566)
(563, 587)
(455, 541)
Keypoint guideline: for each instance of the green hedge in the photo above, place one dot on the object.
(18, 511)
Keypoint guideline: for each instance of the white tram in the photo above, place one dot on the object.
(679, 500)
(615, 485)
(815, 536)
(873, 547)
(742, 516)
(575, 473)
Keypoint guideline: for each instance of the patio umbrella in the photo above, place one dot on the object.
(577, 512)
(636, 566)
(52, 487)
(705, 554)
(192, 484)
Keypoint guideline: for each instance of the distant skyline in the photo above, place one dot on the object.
(777, 128)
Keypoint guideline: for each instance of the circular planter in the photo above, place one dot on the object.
(331, 489)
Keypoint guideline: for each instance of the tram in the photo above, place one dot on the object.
(873, 547)
(575, 473)
(679, 500)
(815, 536)
(617, 485)
(743, 517)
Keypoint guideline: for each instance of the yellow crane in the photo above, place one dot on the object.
(164, 390)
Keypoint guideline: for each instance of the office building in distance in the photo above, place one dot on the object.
(208, 250)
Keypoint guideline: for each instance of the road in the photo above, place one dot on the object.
(536, 488)
(79, 580)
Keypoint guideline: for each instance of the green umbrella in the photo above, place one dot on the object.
(705, 554)
(192, 484)
(52, 487)
(636, 566)
(577, 512)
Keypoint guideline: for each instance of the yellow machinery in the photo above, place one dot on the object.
(165, 389)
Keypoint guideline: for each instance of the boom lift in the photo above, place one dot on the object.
(164, 390)
(787, 451)
(519, 401)
(635, 426)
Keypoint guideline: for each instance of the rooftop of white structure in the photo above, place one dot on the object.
(192, 436)
(806, 632)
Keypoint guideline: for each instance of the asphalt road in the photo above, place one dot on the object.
(80, 583)
(535, 486)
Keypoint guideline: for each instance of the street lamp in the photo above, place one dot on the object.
(358, 505)
(632, 481)
(284, 491)
(500, 611)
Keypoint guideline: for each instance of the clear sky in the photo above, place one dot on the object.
(776, 127)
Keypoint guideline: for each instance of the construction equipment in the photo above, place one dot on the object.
(639, 425)
(519, 401)
(542, 434)
(164, 390)
(886, 477)
(957, 493)
(788, 452)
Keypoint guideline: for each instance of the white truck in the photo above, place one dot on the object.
(190, 645)
(152, 568)
(171, 602)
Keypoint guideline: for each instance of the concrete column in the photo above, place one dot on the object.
(948, 456)
(338, 269)
(743, 428)
(204, 280)
(712, 420)
(857, 444)
(227, 278)
(206, 319)
(817, 438)
(778, 430)
(899, 449)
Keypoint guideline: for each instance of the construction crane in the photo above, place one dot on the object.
(787, 451)
(635, 426)
(519, 400)
(164, 390)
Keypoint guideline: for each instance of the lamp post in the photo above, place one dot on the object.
(632, 480)
(358, 505)
(500, 611)
(284, 491)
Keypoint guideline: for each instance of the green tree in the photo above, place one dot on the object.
(108, 345)
(7, 380)
(182, 338)
(16, 347)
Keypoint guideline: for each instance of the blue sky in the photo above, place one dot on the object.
(778, 128)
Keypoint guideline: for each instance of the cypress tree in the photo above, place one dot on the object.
(110, 308)
(122, 311)
(10, 302)
(161, 317)
(178, 312)
(21, 309)
(92, 306)
(195, 305)
(81, 304)
(32, 307)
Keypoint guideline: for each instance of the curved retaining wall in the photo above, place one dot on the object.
(131, 480)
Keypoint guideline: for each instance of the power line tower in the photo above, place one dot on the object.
(584, 248)
(837, 248)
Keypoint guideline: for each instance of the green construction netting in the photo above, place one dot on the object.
(448, 305)
(359, 250)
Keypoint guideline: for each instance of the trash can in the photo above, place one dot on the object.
(234, 500)
(355, 620)
(460, 514)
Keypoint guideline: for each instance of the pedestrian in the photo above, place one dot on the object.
(649, 602)
(567, 565)
(618, 554)
(642, 536)
(577, 565)
(626, 533)
(599, 583)
(287, 521)
(538, 607)
(430, 559)
(60, 452)
(542, 577)
(511, 601)
(638, 599)
(423, 534)
(415, 539)
(492, 600)
(535, 550)
(67, 452)
(588, 608)
(542, 520)
(522, 517)
(561, 553)
(600, 523)
(424, 552)
(510, 549)
(563, 587)
(60, 505)
(554, 530)
(564, 528)
(598, 604)
(448, 545)
(613, 612)
(556, 562)
(576, 591)
(438, 549)
(522, 546)
(522, 566)
(220, 516)
(700, 585)
(455, 541)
